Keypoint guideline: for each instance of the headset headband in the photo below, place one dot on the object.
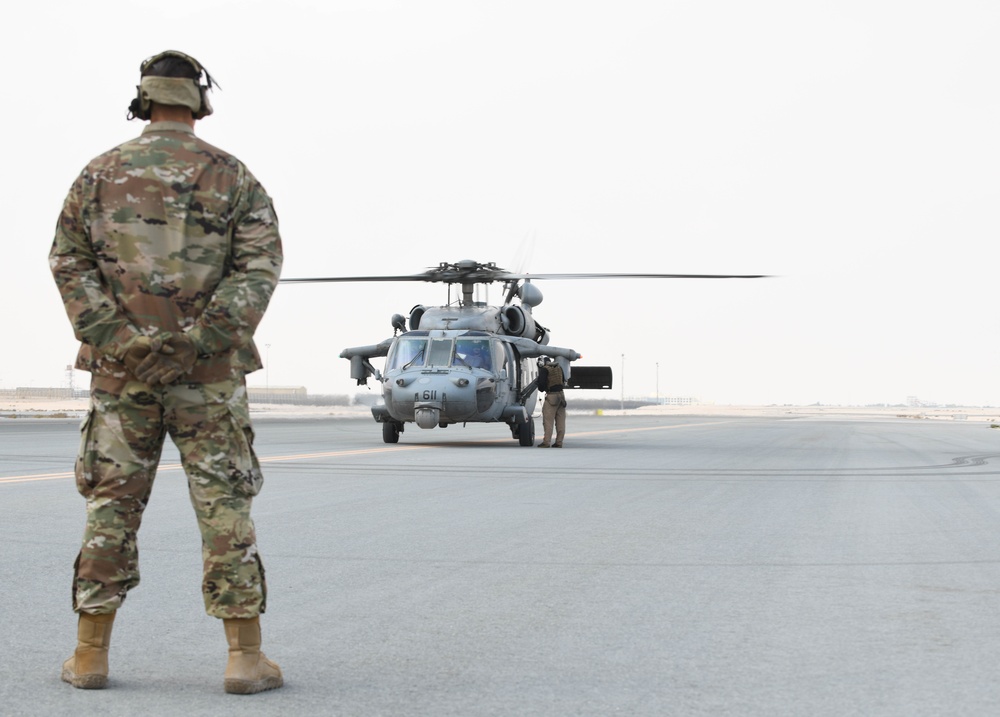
(150, 61)
(140, 106)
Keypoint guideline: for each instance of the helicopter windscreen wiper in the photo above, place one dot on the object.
(420, 355)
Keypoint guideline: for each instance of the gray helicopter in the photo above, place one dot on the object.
(466, 361)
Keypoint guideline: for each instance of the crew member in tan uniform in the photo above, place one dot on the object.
(550, 380)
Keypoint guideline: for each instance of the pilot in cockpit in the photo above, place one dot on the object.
(474, 354)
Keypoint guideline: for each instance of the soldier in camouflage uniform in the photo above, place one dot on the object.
(166, 254)
(550, 380)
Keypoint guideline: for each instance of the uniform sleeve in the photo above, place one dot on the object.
(241, 298)
(97, 318)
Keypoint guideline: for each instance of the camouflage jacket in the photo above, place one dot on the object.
(167, 233)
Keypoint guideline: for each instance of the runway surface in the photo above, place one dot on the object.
(654, 566)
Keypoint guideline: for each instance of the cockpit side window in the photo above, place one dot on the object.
(500, 349)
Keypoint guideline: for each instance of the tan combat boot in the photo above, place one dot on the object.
(88, 667)
(248, 671)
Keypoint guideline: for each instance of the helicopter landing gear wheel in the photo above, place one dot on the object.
(526, 432)
(390, 432)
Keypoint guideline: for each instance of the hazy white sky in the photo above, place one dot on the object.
(852, 148)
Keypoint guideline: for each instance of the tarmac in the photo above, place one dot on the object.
(821, 565)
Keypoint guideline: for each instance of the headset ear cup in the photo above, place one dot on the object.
(205, 109)
(135, 108)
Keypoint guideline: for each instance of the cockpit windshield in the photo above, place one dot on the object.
(440, 352)
(474, 353)
(410, 352)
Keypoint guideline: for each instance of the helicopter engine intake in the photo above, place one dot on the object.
(517, 321)
(415, 315)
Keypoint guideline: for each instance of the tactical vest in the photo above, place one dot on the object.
(555, 382)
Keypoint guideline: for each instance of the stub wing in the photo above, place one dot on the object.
(361, 367)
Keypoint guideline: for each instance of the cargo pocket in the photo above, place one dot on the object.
(85, 457)
(244, 469)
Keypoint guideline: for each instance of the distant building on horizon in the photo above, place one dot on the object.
(667, 400)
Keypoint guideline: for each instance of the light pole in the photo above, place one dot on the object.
(623, 382)
(267, 368)
(657, 383)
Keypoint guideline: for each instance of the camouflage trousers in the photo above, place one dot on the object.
(122, 438)
(554, 411)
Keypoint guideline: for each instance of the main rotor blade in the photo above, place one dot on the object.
(323, 279)
(486, 275)
(636, 276)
